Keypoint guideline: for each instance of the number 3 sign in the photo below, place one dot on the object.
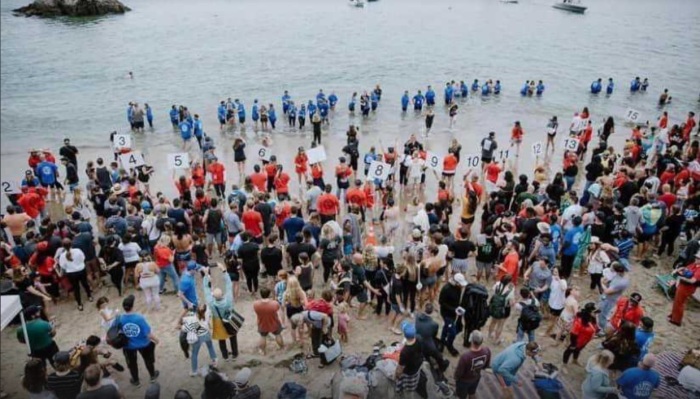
(122, 141)
(379, 170)
(179, 160)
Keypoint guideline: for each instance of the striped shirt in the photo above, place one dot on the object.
(65, 386)
(624, 247)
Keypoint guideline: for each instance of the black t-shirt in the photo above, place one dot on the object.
(72, 173)
(70, 152)
(271, 257)
(331, 249)
(487, 252)
(214, 221)
(178, 214)
(627, 190)
(462, 248)
(248, 253)
(411, 358)
(103, 392)
(593, 171)
(295, 249)
(266, 212)
(84, 242)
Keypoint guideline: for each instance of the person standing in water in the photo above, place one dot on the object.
(255, 114)
(429, 116)
(552, 127)
(418, 101)
(405, 100)
(611, 86)
(429, 96)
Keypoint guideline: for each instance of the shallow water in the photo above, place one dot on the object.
(68, 78)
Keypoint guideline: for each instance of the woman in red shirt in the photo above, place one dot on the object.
(687, 282)
(198, 175)
(516, 135)
(301, 165)
(282, 184)
(183, 185)
(44, 265)
(317, 175)
(582, 332)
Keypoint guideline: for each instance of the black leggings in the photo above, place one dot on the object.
(595, 281)
(409, 293)
(220, 190)
(148, 354)
(234, 347)
(382, 299)
(116, 274)
(76, 279)
(327, 270)
(302, 121)
(52, 287)
(251, 279)
(567, 264)
(667, 241)
(569, 351)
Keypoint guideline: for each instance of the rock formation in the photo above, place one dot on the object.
(72, 8)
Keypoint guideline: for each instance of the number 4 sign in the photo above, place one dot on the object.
(379, 170)
(131, 160)
(632, 115)
(263, 153)
(179, 160)
(10, 187)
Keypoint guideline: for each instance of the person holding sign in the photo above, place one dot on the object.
(342, 175)
(217, 173)
(239, 157)
(488, 146)
(356, 196)
(449, 167)
(282, 184)
(552, 127)
(301, 165)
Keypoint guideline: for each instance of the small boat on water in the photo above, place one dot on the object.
(568, 5)
(356, 3)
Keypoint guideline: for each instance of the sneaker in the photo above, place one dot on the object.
(161, 292)
(135, 383)
(193, 373)
(154, 377)
(118, 367)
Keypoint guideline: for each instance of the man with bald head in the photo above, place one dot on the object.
(639, 382)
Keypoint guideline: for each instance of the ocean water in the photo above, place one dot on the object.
(67, 78)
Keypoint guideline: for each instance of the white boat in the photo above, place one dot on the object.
(568, 5)
(356, 3)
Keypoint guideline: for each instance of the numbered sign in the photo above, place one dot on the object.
(10, 187)
(632, 115)
(570, 144)
(131, 160)
(501, 155)
(179, 160)
(434, 161)
(263, 153)
(316, 155)
(472, 160)
(537, 149)
(122, 141)
(379, 170)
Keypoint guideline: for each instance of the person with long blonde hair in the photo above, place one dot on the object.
(294, 301)
(597, 384)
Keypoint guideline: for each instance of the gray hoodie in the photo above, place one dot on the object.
(597, 383)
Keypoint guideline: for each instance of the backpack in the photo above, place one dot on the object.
(115, 336)
(160, 222)
(499, 303)
(530, 317)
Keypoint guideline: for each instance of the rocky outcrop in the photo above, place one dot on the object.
(72, 8)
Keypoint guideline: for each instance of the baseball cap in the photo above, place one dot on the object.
(61, 357)
(459, 278)
(192, 265)
(417, 233)
(635, 297)
(32, 310)
(243, 376)
(409, 330)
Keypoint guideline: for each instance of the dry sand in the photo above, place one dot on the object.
(271, 371)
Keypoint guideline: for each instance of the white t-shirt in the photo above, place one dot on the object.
(130, 252)
(558, 294)
(76, 265)
(598, 261)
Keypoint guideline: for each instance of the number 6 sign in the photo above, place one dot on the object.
(179, 160)
(263, 153)
(379, 170)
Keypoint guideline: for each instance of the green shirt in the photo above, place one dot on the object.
(39, 333)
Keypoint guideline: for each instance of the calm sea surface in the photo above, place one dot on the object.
(68, 78)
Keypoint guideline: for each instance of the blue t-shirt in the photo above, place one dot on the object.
(135, 327)
(572, 237)
(174, 115)
(47, 172)
(188, 287)
(185, 130)
(555, 231)
(636, 383)
(405, 100)
(292, 226)
(644, 339)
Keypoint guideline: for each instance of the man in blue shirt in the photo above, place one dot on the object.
(320, 96)
(429, 96)
(596, 86)
(506, 364)
(149, 114)
(635, 85)
(141, 340)
(449, 93)
(221, 114)
(285, 102)
(640, 382)
(570, 247)
(311, 109)
(332, 100)
(241, 112)
(255, 113)
(293, 225)
(47, 172)
(644, 337)
(187, 291)
(185, 132)
(198, 130)
(405, 99)
(174, 116)
(418, 101)
(611, 86)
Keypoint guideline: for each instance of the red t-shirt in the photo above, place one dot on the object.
(369, 195)
(624, 311)
(161, 255)
(44, 268)
(301, 163)
(342, 172)
(31, 203)
(584, 333)
(266, 312)
(271, 169)
(252, 221)
(316, 171)
(183, 188)
(283, 214)
(356, 196)
(198, 176)
(663, 122)
(449, 164)
(217, 171)
(328, 204)
(669, 199)
(259, 180)
(516, 133)
(511, 265)
(667, 176)
(492, 172)
(282, 183)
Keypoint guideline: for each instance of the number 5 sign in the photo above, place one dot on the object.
(179, 160)
(263, 153)
(632, 115)
(131, 160)
(379, 170)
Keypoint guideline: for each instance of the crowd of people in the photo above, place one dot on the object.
(351, 242)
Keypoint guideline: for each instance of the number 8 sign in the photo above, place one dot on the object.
(379, 170)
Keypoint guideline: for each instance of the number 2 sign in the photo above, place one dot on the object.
(10, 187)
(379, 170)
(179, 160)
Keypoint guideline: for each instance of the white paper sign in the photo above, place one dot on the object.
(502, 154)
(434, 161)
(179, 160)
(379, 170)
(632, 115)
(472, 160)
(122, 141)
(570, 144)
(261, 152)
(10, 187)
(131, 160)
(537, 149)
(316, 155)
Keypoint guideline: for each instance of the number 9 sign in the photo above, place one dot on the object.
(434, 161)
(179, 160)
(379, 170)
